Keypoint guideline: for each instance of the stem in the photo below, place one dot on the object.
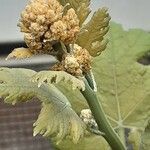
(89, 80)
(104, 126)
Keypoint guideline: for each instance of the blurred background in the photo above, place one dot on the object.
(16, 122)
(133, 13)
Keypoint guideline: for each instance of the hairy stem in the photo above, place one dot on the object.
(104, 126)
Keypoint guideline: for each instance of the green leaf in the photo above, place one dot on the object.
(81, 7)
(123, 83)
(77, 100)
(57, 118)
(60, 119)
(15, 86)
(92, 34)
(56, 77)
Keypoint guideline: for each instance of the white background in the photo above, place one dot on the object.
(130, 13)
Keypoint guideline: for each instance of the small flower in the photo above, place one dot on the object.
(88, 119)
(83, 57)
(78, 63)
(59, 30)
(72, 23)
(72, 66)
(67, 28)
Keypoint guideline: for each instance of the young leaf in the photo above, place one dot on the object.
(92, 34)
(123, 83)
(60, 119)
(80, 6)
(20, 53)
(56, 116)
(56, 77)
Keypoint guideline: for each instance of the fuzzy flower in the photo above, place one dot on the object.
(77, 63)
(71, 65)
(83, 58)
(44, 24)
(66, 29)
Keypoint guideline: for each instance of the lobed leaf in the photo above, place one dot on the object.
(80, 6)
(60, 119)
(57, 76)
(14, 85)
(56, 116)
(92, 34)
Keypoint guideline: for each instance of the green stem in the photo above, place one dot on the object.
(89, 80)
(104, 126)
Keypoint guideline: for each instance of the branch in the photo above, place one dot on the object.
(110, 135)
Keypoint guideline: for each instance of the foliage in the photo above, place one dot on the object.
(15, 85)
(92, 34)
(19, 84)
(57, 119)
(128, 80)
(123, 83)
(126, 104)
(56, 77)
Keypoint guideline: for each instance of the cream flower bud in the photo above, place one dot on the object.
(77, 63)
(83, 57)
(71, 62)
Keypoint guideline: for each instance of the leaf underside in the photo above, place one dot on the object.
(57, 119)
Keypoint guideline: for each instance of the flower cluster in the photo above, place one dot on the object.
(88, 119)
(77, 63)
(44, 24)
